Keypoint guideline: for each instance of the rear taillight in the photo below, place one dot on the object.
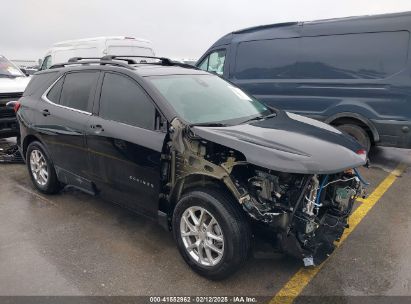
(17, 106)
(362, 152)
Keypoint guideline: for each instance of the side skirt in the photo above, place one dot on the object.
(75, 181)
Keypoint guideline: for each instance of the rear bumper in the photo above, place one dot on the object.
(394, 133)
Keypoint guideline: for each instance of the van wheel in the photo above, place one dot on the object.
(41, 169)
(358, 133)
(212, 233)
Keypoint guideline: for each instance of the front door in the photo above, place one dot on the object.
(124, 148)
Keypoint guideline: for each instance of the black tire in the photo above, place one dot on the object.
(234, 226)
(52, 185)
(358, 133)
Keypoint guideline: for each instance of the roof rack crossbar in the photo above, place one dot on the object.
(87, 62)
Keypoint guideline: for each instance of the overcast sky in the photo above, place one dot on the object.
(177, 28)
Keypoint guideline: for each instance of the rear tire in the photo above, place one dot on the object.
(228, 244)
(358, 133)
(41, 169)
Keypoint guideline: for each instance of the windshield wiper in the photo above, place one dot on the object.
(208, 124)
(261, 117)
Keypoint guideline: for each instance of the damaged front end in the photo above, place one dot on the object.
(306, 213)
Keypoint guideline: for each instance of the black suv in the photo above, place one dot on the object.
(193, 151)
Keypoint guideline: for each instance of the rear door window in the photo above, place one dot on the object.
(123, 100)
(77, 90)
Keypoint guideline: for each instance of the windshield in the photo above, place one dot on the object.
(202, 99)
(7, 69)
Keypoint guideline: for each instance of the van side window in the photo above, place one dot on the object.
(344, 56)
(123, 100)
(46, 63)
(77, 89)
(214, 62)
(267, 59)
(54, 93)
(354, 56)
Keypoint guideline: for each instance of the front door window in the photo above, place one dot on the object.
(46, 63)
(214, 62)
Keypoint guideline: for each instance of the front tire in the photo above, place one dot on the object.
(358, 133)
(41, 169)
(212, 233)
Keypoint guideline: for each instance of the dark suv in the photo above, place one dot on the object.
(193, 151)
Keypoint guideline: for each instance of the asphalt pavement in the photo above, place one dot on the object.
(75, 244)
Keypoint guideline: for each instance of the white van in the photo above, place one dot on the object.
(96, 47)
(12, 85)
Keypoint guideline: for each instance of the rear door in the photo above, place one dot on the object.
(124, 147)
(65, 112)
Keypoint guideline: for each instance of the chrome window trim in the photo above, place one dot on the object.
(44, 98)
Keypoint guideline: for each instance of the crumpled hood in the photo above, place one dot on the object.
(289, 143)
(13, 85)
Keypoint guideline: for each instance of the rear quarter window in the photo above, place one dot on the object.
(39, 81)
(54, 94)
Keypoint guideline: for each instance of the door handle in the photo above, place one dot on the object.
(45, 112)
(97, 128)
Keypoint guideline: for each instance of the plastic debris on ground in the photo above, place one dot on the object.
(9, 153)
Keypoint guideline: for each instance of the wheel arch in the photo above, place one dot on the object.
(195, 181)
(27, 141)
(356, 119)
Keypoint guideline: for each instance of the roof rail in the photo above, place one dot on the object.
(163, 60)
(75, 59)
(265, 26)
(86, 62)
(116, 61)
(110, 57)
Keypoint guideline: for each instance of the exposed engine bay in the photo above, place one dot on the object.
(306, 213)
